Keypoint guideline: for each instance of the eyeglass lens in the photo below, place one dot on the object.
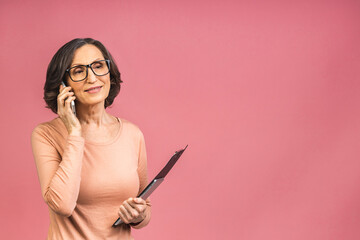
(79, 73)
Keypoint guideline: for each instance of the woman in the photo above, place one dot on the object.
(90, 164)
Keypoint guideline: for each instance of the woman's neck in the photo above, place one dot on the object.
(93, 114)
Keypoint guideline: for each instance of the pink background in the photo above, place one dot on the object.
(266, 94)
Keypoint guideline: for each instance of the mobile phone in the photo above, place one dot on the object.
(72, 104)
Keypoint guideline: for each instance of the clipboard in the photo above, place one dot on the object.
(157, 180)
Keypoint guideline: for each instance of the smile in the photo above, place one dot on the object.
(93, 89)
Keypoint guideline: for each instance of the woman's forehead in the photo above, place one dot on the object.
(86, 55)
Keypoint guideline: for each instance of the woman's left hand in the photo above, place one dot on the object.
(133, 210)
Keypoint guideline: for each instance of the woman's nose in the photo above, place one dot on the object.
(91, 76)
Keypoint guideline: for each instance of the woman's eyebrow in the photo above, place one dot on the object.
(80, 64)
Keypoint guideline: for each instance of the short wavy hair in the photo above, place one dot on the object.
(56, 72)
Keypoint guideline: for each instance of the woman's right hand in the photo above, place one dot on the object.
(65, 113)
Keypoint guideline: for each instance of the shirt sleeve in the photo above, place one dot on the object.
(59, 176)
(142, 172)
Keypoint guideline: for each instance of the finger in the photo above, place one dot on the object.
(62, 105)
(62, 87)
(127, 210)
(63, 97)
(140, 207)
(123, 216)
(70, 98)
(148, 203)
(126, 216)
(68, 102)
(132, 211)
(139, 201)
(64, 91)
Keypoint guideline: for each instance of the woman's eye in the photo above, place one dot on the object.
(78, 71)
(98, 65)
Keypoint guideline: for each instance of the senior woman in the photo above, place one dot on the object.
(91, 165)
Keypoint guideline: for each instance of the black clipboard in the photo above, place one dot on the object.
(157, 180)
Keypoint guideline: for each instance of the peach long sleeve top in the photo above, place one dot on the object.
(85, 182)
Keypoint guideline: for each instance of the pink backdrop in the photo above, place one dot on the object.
(266, 94)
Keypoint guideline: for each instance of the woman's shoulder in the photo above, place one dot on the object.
(130, 127)
(50, 127)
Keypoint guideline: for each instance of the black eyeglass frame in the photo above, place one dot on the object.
(87, 69)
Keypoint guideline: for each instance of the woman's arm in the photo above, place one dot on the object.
(59, 176)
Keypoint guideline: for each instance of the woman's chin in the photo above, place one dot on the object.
(92, 102)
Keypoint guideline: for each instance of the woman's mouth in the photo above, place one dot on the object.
(93, 89)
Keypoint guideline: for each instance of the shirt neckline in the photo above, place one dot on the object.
(111, 140)
(101, 143)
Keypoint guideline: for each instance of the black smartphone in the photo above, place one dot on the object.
(72, 104)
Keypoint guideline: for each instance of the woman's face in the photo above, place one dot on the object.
(94, 89)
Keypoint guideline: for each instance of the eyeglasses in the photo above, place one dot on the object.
(80, 72)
